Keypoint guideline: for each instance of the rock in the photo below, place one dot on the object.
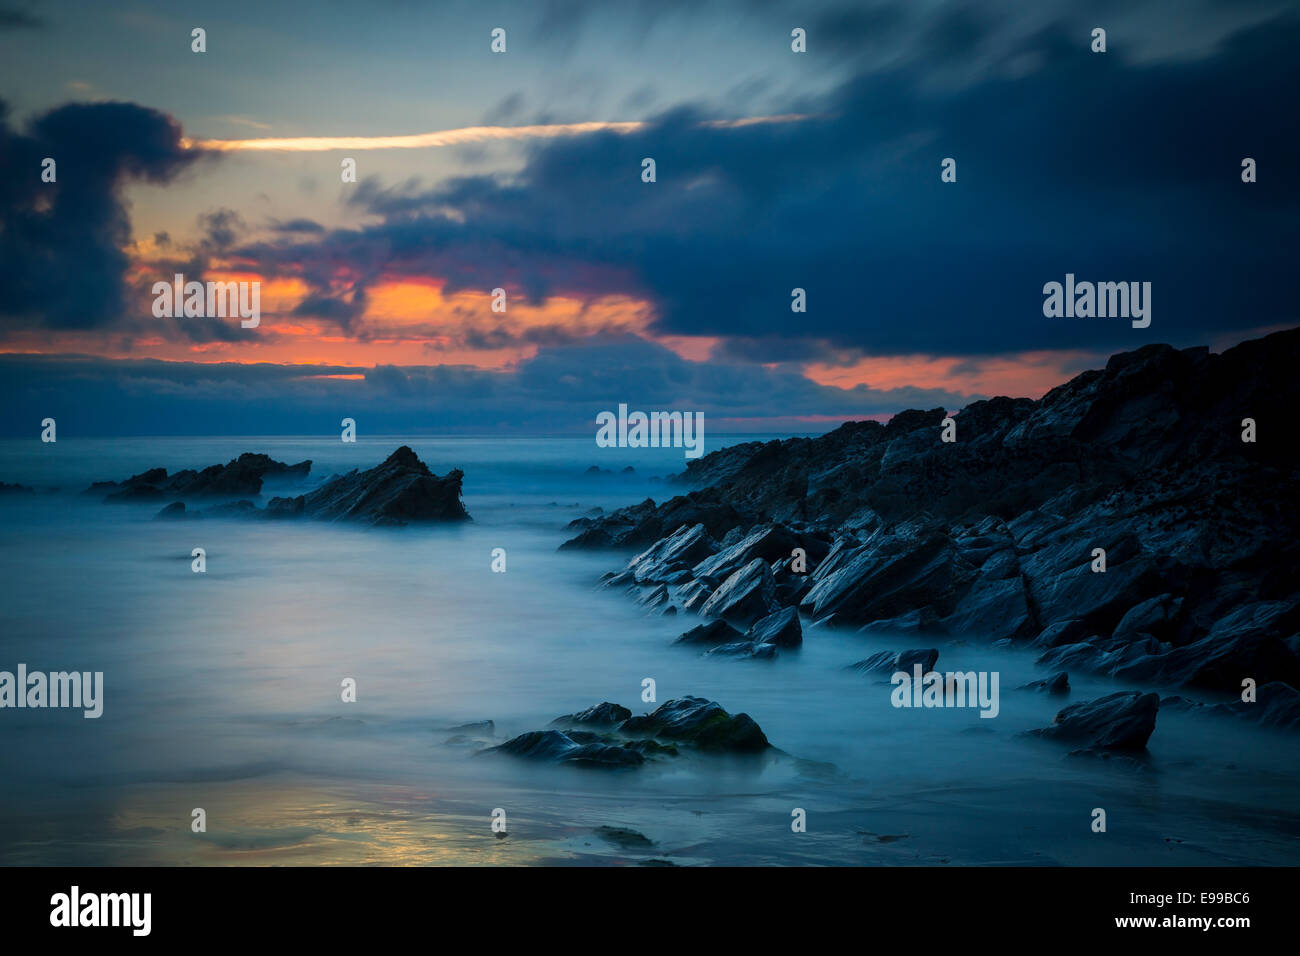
(240, 477)
(892, 575)
(1056, 684)
(561, 748)
(399, 491)
(711, 633)
(14, 489)
(887, 662)
(1083, 655)
(1062, 632)
(992, 538)
(656, 597)
(134, 493)
(781, 628)
(603, 714)
(1121, 721)
(702, 723)
(691, 721)
(172, 512)
(623, 837)
(771, 543)
(748, 649)
(693, 594)
(745, 596)
(675, 553)
(1276, 705)
(1156, 616)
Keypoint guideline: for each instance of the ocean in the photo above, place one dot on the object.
(222, 692)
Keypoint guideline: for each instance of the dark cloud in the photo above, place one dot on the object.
(61, 258)
(560, 391)
(297, 225)
(1089, 164)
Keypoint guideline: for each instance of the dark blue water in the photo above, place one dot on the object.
(222, 691)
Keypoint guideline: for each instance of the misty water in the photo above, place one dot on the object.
(222, 691)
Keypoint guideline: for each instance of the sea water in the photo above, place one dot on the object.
(222, 692)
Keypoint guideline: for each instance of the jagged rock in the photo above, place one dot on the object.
(770, 542)
(745, 596)
(892, 575)
(1156, 616)
(1056, 684)
(399, 491)
(656, 597)
(1121, 721)
(693, 594)
(240, 477)
(172, 512)
(675, 553)
(603, 714)
(992, 537)
(1276, 705)
(14, 489)
(712, 632)
(752, 650)
(781, 628)
(1062, 632)
(887, 662)
(700, 722)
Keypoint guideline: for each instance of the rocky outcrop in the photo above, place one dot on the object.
(1119, 524)
(239, 478)
(402, 490)
(399, 491)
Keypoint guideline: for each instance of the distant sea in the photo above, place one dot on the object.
(222, 692)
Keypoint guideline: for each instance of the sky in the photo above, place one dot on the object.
(522, 170)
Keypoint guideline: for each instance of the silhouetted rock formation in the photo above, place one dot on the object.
(241, 477)
(402, 490)
(993, 536)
